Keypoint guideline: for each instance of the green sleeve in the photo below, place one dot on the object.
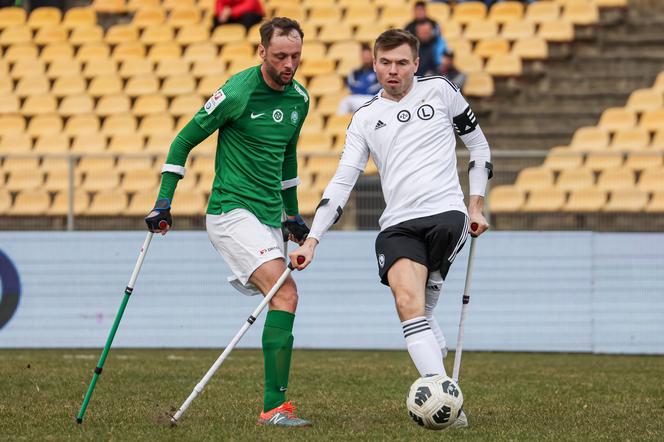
(289, 171)
(188, 138)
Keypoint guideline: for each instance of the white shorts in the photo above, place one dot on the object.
(245, 243)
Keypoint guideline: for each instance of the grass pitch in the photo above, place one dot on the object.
(349, 395)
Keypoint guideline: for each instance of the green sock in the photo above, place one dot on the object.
(277, 350)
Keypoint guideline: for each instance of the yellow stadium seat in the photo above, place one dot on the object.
(532, 178)
(344, 49)
(659, 82)
(136, 67)
(185, 105)
(545, 200)
(540, 12)
(190, 203)
(79, 17)
(644, 100)
(165, 51)
(313, 124)
(129, 163)
(358, 13)
(135, 5)
(143, 201)
(531, 48)
(616, 118)
(294, 12)
(145, 17)
(12, 164)
(450, 29)
(656, 204)
(210, 84)
(150, 104)
(241, 49)
(11, 124)
(337, 124)
(6, 85)
(20, 180)
(460, 45)
(121, 33)
(586, 200)
(44, 16)
(159, 143)
(240, 64)
(142, 85)
(32, 85)
(506, 12)
(100, 68)
(489, 47)
(438, 11)
(644, 160)
(118, 124)
(69, 85)
(45, 125)
(193, 34)
(57, 180)
(167, 68)
(479, 30)
(154, 34)
(5, 201)
(575, 179)
(658, 141)
(57, 51)
(30, 203)
(367, 32)
(478, 84)
(15, 143)
(335, 32)
(140, 180)
(627, 200)
(314, 49)
(9, 104)
(88, 143)
(27, 67)
(55, 143)
(652, 119)
(325, 84)
(631, 139)
(394, 15)
(518, 30)
(253, 34)
(615, 179)
(212, 67)
(79, 124)
(61, 68)
(316, 66)
(104, 85)
(51, 34)
(109, 202)
(314, 142)
(598, 161)
(468, 12)
(87, 34)
(200, 52)
(109, 6)
(20, 51)
(112, 105)
(329, 103)
(12, 17)
(93, 52)
(125, 51)
(559, 31)
(506, 199)
(504, 65)
(590, 138)
(126, 143)
(581, 13)
(100, 179)
(39, 105)
(320, 15)
(230, 33)
(652, 180)
(184, 17)
(468, 63)
(308, 199)
(15, 35)
(178, 85)
(60, 205)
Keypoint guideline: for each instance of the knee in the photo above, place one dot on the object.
(286, 298)
(408, 303)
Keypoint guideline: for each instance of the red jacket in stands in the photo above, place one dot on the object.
(239, 7)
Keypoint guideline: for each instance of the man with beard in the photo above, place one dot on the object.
(259, 113)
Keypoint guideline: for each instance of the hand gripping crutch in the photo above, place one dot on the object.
(464, 305)
(116, 323)
(220, 360)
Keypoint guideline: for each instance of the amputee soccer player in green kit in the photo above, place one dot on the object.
(259, 113)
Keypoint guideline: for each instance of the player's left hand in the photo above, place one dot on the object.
(480, 223)
(296, 228)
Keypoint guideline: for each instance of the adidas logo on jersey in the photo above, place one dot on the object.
(379, 125)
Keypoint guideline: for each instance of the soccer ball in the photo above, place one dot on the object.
(434, 402)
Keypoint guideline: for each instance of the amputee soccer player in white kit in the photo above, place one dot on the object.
(409, 129)
(259, 113)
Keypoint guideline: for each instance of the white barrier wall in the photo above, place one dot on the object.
(532, 291)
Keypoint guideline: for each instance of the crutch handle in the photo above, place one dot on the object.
(474, 226)
(300, 260)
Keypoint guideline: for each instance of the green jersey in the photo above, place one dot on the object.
(256, 163)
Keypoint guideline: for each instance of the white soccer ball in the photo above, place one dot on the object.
(434, 402)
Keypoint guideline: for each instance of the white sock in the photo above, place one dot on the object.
(423, 346)
(431, 294)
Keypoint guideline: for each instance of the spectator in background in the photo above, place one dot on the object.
(362, 83)
(432, 48)
(419, 14)
(448, 69)
(244, 12)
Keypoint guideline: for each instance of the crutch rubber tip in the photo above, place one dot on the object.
(79, 420)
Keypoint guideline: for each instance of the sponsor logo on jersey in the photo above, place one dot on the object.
(301, 92)
(403, 116)
(277, 115)
(262, 252)
(294, 117)
(379, 125)
(381, 260)
(425, 112)
(214, 101)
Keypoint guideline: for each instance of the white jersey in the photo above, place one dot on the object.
(413, 144)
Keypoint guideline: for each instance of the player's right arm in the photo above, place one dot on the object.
(353, 161)
(223, 106)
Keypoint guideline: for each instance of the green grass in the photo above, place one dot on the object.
(350, 395)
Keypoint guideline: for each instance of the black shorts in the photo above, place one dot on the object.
(432, 241)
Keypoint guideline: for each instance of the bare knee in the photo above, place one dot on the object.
(286, 297)
(409, 303)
